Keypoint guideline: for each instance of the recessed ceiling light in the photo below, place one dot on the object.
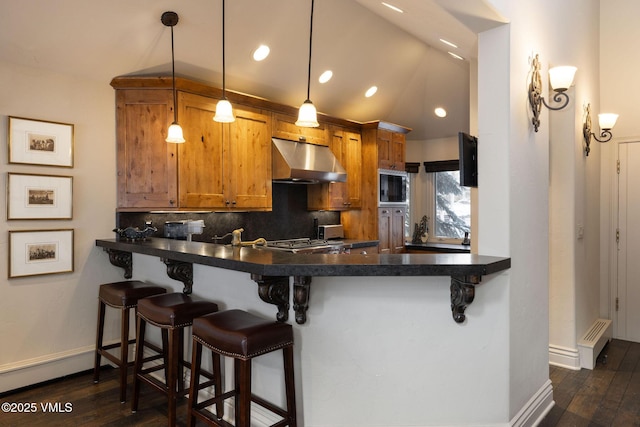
(456, 56)
(371, 91)
(326, 76)
(261, 52)
(440, 112)
(392, 7)
(447, 42)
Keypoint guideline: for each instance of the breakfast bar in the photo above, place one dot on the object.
(271, 269)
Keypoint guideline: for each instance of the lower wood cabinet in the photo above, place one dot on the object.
(391, 229)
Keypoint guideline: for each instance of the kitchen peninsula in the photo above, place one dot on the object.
(363, 323)
(272, 269)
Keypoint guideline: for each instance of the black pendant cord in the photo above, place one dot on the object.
(173, 80)
(310, 44)
(223, 54)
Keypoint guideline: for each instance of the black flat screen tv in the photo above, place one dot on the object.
(468, 159)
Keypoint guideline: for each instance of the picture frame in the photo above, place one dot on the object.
(39, 252)
(35, 196)
(40, 142)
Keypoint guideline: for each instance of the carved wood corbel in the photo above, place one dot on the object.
(182, 272)
(274, 290)
(301, 291)
(121, 259)
(462, 294)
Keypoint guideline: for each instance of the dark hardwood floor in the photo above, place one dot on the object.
(92, 404)
(609, 395)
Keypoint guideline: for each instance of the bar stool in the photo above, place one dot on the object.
(242, 336)
(124, 296)
(171, 313)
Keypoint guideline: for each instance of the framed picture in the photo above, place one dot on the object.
(39, 142)
(37, 252)
(39, 196)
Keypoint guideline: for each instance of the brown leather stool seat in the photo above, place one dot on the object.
(124, 296)
(242, 336)
(171, 313)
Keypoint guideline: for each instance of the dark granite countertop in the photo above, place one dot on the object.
(267, 262)
(439, 247)
(354, 244)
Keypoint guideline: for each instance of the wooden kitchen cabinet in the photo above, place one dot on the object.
(219, 166)
(347, 147)
(391, 229)
(382, 142)
(147, 165)
(284, 127)
(224, 165)
(391, 149)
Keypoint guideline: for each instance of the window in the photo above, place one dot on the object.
(452, 206)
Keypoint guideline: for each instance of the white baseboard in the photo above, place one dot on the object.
(564, 357)
(32, 371)
(536, 408)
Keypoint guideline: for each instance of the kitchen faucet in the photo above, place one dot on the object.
(236, 239)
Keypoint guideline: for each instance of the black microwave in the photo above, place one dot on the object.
(392, 187)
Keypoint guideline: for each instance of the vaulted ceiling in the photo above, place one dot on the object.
(363, 42)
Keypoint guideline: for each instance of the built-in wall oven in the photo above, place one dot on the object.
(392, 187)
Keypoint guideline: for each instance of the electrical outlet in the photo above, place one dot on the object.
(580, 231)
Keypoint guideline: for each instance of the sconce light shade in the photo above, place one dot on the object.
(224, 113)
(561, 78)
(607, 120)
(307, 115)
(174, 134)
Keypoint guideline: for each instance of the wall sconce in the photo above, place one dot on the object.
(560, 79)
(606, 121)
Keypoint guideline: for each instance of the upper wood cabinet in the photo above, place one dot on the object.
(224, 165)
(391, 149)
(347, 147)
(147, 173)
(219, 166)
(284, 126)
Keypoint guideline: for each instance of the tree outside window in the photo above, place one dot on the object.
(452, 206)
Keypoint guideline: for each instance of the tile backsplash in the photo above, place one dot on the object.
(288, 219)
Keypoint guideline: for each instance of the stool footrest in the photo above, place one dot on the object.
(270, 406)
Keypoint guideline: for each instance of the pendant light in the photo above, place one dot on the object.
(307, 115)
(224, 113)
(174, 134)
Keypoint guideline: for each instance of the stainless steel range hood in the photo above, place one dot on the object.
(301, 163)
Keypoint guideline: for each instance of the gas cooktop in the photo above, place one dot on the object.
(306, 246)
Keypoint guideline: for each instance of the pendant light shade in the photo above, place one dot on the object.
(224, 112)
(307, 115)
(174, 133)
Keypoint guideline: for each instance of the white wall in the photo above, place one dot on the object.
(48, 322)
(515, 165)
(574, 213)
(619, 92)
